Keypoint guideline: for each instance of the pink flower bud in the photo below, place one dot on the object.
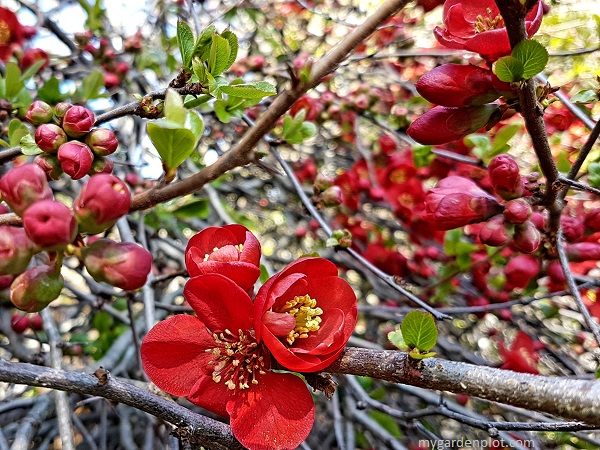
(527, 238)
(111, 80)
(102, 141)
(124, 265)
(22, 186)
(102, 201)
(49, 137)
(60, 109)
(33, 55)
(556, 274)
(78, 121)
(35, 288)
(494, 232)
(459, 85)
(38, 113)
(333, 196)
(505, 178)
(572, 228)
(76, 159)
(592, 220)
(458, 201)
(16, 250)
(102, 165)
(50, 224)
(442, 124)
(50, 165)
(517, 211)
(322, 182)
(583, 251)
(19, 323)
(520, 270)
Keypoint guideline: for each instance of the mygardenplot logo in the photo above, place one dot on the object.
(440, 444)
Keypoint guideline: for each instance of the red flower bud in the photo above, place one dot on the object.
(50, 165)
(517, 211)
(76, 159)
(102, 165)
(458, 201)
(322, 182)
(583, 251)
(16, 250)
(442, 124)
(102, 141)
(111, 80)
(520, 270)
(103, 200)
(572, 228)
(50, 224)
(22, 186)
(60, 109)
(78, 121)
(39, 112)
(505, 178)
(556, 274)
(49, 137)
(33, 55)
(494, 232)
(592, 220)
(333, 196)
(121, 264)
(527, 238)
(460, 85)
(35, 288)
(19, 323)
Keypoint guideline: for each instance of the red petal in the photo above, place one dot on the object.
(276, 414)
(173, 353)
(219, 303)
(211, 396)
(280, 324)
(492, 43)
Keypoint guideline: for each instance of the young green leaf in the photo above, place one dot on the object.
(196, 209)
(174, 110)
(202, 46)
(13, 81)
(233, 47)
(508, 69)
(50, 92)
(185, 39)
(16, 131)
(419, 331)
(584, 97)
(396, 338)
(28, 146)
(258, 89)
(194, 123)
(219, 55)
(91, 86)
(32, 70)
(532, 55)
(174, 144)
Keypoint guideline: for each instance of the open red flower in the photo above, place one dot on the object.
(231, 250)
(12, 33)
(522, 355)
(477, 26)
(305, 314)
(216, 361)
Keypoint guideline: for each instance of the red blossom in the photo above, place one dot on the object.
(12, 33)
(522, 355)
(231, 250)
(305, 314)
(477, 26)
(216, 361)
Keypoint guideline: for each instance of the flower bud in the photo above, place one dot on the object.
(102, 165)
(22, 186)
(333, 196)
(33, 55)
(78, 121)
(583, 251)
(49, 137)
(520, 270)
(103, 200)
(50, 165)
(102, 141)
(35, 288)
(16, 250)
(36, 323)
(50, 225)
(556, 274)
(527, 238)
(76, 159)
(572, 228)
(592, 220)
(111, 80)
(60, 109)
(322, 182)
(517, 211)
(124, 265)
(494, 232)
(19, 323)
(442, 124)
(38, 113)
(505, 178)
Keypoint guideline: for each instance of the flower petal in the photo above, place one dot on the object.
(210, 395)
(276, 414)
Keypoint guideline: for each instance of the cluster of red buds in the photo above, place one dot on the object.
(69, 142)
(32, 255)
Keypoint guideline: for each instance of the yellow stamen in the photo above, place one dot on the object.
(486, 23)
(4, 33)
(305, 311)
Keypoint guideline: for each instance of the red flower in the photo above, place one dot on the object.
(456, 202)
(477, 26)
(216, 361)
(305, 314)
(12, 33)
(522, 356)
(231, 250)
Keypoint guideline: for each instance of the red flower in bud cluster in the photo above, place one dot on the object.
(305, 314)
(121, 264)
(49, 137)
(103, 200)
(572, 228)
(527, 238)
(442, 124)
(505, 178)
(50, 224)
(76, 159)
(217, 362)
(494, 232)
(477, 26)
(520, 270)
(39, 112)
(102, 141)
(231, 250)
(22, 186)
(456, 202)
(35, 288)
(583, 251)
(16, 250)
(50, 165)
(459, 85)
(522, 356)
(78, 121)
(517, 211)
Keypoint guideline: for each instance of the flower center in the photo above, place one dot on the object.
(486, 23)
(238, 359)
(304, 309)
(239, 248)
(4, 33)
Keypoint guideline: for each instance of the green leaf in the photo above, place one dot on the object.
(387, 422)
(203, 42)
(502, 137)
(598, 373)
(185, 39)
(259, 89)
(396, 338)
(28, 146)
(584, 97)
(32, 70)
(16, 131)
(264, 274)
(219, 55)
(199, 70)
(173, 144)
(562, 162)
(508, 69)
(594, 175)
(13, 81)
(233, 47)
(422, 155)
(220, 108)
(196, 209)
(532, 55)
(50, 92)
(194, 102)
(174, 110)
(215, 84)
(418, 355)
(194, 123)
(419, 330)
(481, 142)
(91, 86)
